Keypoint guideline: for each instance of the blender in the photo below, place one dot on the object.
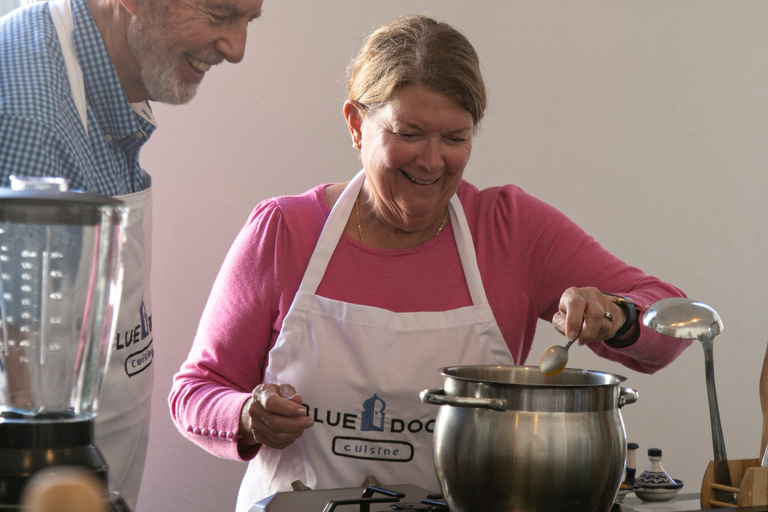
(60, 283)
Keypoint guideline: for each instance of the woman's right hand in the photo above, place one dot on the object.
(273, 416)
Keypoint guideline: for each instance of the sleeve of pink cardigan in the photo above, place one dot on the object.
(232, 341)
(561, 254)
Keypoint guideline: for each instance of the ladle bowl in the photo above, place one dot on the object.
(683, 318)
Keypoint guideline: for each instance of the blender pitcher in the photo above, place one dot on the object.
(60, 283)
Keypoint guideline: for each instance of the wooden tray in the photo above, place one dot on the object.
(753, 490)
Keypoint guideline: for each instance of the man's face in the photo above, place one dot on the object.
(176, 42)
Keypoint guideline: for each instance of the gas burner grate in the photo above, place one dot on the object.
(432, 503)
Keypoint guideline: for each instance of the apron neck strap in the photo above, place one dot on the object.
(61, 13)
(467, 254)
(337, 220)
(331, 234)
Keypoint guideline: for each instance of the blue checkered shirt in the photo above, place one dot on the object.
(41, 133)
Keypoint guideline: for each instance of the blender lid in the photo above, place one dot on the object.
(49, 201)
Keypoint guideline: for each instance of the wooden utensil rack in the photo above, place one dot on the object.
(753, 490)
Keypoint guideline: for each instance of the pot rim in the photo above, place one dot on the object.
(568, 378)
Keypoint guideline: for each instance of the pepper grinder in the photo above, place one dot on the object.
(631, 467)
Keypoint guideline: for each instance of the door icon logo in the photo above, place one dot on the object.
(146, 326)
(373, 414)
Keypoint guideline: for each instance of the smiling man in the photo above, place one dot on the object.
(75, 82)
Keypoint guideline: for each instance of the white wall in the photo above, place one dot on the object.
(645, 121)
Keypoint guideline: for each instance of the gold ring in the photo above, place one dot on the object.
(609, 316)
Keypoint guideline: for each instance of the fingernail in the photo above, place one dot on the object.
(302, 412)
(572, 335)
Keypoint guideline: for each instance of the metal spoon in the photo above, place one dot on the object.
(554, 359)
(689, 319)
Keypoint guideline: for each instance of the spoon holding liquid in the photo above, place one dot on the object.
(554, 359)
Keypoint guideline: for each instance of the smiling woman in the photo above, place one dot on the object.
(414, 149)
(347, 297)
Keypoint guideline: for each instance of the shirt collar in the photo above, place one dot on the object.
(106, 98)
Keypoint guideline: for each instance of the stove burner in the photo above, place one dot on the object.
(366, 501)
(424, 506)
(370, 497)
(430, 504)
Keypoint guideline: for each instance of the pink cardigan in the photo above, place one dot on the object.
(528, 253)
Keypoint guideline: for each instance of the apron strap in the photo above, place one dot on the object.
(467, 253)
(337, 220)
(330, 235)
(61, 13)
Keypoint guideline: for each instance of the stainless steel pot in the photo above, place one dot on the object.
(509, 439)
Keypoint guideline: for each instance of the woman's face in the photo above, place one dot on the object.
(414, 150)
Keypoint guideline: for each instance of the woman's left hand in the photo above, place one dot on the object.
(586, 314)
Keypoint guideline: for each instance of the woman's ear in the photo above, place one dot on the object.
(354, 117)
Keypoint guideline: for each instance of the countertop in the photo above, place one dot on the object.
(688, 502)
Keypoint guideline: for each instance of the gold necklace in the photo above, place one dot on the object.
(360, 228)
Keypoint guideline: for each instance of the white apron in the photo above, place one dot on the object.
(122, 422)
(359, 370)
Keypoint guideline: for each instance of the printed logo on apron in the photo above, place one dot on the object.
(359, 370)
(372, 418)
(139, 361)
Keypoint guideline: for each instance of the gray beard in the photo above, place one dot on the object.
(163, 86)
(158, 69)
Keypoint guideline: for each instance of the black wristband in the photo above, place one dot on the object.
(630, 313)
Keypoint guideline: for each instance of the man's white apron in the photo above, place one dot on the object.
(122, 421)
(359, 370)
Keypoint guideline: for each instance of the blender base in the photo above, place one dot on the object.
(116, 504)
(30, 447)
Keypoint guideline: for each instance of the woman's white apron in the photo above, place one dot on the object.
(359, 370)
(122, 421)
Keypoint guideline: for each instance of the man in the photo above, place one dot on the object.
(75, 79)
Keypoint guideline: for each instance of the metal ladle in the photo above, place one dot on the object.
(689, 319)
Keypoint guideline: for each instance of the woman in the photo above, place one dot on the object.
(415, 269)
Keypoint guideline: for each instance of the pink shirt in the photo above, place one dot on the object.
(528, 254)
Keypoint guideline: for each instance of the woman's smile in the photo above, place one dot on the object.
(414, 179)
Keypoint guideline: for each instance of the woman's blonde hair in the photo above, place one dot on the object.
(417, 50)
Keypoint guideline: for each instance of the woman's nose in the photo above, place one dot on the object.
(431, 157)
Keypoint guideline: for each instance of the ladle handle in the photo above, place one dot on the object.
(722, 472)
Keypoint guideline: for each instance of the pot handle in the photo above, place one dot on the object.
(627, 396)
(437, 396)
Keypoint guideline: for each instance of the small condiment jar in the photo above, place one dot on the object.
(655, 476)
(631, 467)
